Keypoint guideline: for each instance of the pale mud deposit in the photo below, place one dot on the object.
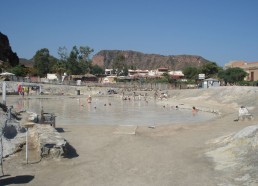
(236, 155)
(218, 152)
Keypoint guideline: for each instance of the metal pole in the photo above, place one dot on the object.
(4, 93)
(10, 112)
(27, 145)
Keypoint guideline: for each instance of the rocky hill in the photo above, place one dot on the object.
(26, 62)
(140, 60)
(6, 54)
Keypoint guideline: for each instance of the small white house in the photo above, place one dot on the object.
(208, 83)
(52, 77)
(109, 72)
(109, 79)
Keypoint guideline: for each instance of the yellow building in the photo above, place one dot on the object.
(251, 68)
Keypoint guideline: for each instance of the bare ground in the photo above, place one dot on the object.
(165, 155)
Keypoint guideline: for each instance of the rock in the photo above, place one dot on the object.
(43, 138)
(13, 138)
(11, 146)
(49, 142)
(33, 117)
(248, 132)
(29, 117)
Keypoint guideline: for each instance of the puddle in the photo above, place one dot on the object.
(110, 111)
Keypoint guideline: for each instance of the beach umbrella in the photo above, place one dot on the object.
(7, 74)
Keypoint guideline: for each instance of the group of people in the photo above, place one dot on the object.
(243, 112)
(27, 90)
(194, 109)
(23, 90)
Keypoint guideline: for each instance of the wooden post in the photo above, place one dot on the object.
(27, 126)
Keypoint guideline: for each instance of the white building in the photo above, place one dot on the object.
(109, 72)
(52, 77)
(141, 73)
(208, 83)
(177, 74)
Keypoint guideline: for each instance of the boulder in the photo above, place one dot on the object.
(49, 142)
(13, 138)
(43, 137)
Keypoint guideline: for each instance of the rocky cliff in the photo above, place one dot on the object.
(140, 60)
(6, 53)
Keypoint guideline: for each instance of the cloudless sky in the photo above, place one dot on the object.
(218, 30)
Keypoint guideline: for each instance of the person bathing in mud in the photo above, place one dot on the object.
(194, 111)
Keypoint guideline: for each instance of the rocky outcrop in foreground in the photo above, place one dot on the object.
(237, 153)
(44, 139)
(48, 141)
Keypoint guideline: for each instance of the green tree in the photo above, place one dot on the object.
(125, 71)
(166, 77)
(32, 71)
(42, 61)
(58, 68)
(119, 65)
(232, 75)
(19, 70)
(72, 61)
(52, 64)
(78, 61)
(84, 61)
(85, 52)
(62, 53)
(210, 69)
(61, 66)
(191, 72)
(97, 70)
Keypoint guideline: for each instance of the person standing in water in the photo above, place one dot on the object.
(89, 99)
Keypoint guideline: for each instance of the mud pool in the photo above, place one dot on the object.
(110, 111)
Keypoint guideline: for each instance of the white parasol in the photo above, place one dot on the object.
(7, 74)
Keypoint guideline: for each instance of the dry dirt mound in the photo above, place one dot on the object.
(236, 155)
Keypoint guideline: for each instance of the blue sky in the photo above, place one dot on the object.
(218, 30)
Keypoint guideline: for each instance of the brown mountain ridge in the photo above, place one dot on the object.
(138, 60)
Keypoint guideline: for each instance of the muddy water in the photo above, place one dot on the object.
(110, 111)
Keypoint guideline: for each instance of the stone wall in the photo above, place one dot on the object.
(51, 89)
